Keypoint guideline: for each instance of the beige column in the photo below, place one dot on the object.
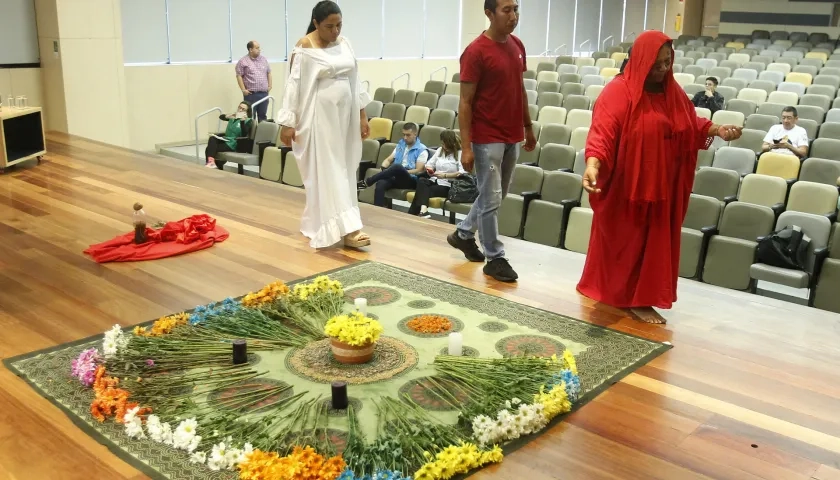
(82, 63)
(473, 21)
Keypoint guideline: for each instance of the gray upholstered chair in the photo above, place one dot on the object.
(700, 224)
(816, 227)
(525, 186)
(578, 227)
(732, 251)
(828, 278)
(547, 216)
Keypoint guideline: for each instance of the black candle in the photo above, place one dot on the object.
(240, 352)
(339, 395)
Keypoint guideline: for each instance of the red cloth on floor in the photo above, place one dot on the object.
(647, 144)
(175, 238)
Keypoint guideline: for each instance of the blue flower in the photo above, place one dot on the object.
(379, 475)
(226, 307)
(571, 380)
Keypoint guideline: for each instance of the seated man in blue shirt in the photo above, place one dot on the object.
(401, 168)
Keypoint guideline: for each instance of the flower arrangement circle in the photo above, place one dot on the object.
(157, 385)
(430, 324)
(353, 337)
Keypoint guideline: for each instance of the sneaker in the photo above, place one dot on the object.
(361, 185)
(425, 215)
(468, 247)
(501, 270)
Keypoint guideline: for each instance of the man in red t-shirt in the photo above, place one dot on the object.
(493, 119)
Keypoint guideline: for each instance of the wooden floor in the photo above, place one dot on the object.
(750, 390)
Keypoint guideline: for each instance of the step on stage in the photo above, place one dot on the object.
(750, 389)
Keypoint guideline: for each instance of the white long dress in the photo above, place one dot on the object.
(322, 102)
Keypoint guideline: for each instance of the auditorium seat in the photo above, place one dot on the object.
(265, 135)
(426, 99)
(530, 157)
(575, 102)
(699, 225)
(291, 171)
(744, 106)
(555, 156)
(449, 102)
(705, 157)
(430, 136)
(718, 183)
(740, 160)
(435, 86)
(828, 280)
(750, 139)
(779, 165)
(546, 218)
(818, 229)
(579, 226)
(442, 118)
(384, 95)
(764, 190)
(453, 88)
(380, 128)
(525, 186)
(817, 100)
(578, 138)
(394, 111)
(417, 114)
(813, 198)
(271, 167)
(549, 99)
(825, 148)
(551, 114)
(396, 131)
(725, 117)
(578, 118)
(820, 170)
(554, 133)
(405, 97)
(732, 251)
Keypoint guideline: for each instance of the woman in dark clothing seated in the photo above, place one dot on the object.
(238, 125)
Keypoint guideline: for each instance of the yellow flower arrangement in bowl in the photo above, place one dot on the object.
(353, 337)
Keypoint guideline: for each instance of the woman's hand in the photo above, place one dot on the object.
(365, 126)
(729, 132)
(287, 136)
(590, 179)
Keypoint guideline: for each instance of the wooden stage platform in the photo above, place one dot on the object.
(751, 389)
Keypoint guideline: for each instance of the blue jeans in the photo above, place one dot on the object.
(494, 164)
(262, 109)
(395, 176)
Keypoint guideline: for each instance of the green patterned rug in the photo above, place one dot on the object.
(491, 327)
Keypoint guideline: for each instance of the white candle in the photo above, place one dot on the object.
(455, 344)
(361, 305)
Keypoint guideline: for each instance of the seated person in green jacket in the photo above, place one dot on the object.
(238, 125)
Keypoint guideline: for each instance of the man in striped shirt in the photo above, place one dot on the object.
(254, 77)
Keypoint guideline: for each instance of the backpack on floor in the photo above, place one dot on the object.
(463, 189)
(786, 248)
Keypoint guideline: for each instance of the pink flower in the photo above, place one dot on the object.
(150, 362)
(84, 367)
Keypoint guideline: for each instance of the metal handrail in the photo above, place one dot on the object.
(197, 154)
(445, 73)
(406, 74)
(580, 47)
(633, 34)
(367, 82)
(264, 99)
(564, 47)
(604, 43)
(543, 54)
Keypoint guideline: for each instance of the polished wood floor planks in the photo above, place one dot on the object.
(751, 389)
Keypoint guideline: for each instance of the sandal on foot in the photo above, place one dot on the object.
(356, 242)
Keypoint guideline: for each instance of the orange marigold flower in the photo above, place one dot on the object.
(430, 324)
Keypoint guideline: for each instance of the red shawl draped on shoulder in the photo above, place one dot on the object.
(175, 238)
(647, 144)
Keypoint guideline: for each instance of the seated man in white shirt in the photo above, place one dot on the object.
(787, 138)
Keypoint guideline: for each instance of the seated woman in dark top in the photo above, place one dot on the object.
(238, 125)
(709, 98)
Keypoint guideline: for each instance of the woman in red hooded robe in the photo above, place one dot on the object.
(641, 156)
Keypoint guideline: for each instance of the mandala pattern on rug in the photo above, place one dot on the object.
(493, 327)
(249, 386)
(391, 358)
(352, 401)
(421, 304)
(465, 351)
(376, 296)
(428, 395)
(457, 326)
(535, 345)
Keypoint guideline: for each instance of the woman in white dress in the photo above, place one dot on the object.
(323, 120)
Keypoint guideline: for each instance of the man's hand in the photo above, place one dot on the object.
(530, 140)
(709, 93)
(287, 136)
(468, 159)
(246, 92)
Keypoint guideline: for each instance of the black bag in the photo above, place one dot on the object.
(463, 189)
(786, 248)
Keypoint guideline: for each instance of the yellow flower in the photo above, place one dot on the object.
(354, 329)
(570, 360)
(554, 402)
